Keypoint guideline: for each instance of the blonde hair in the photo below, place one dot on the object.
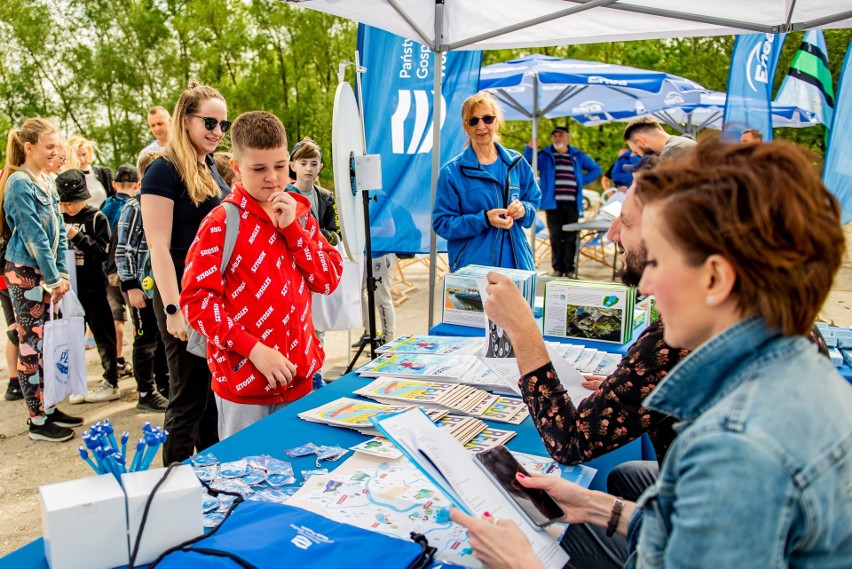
(199, 182)
(75, 143)
(32, 131)
(485, 99)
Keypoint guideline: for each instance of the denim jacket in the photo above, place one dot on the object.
(131, 248)
(760, 474)
(38, 232)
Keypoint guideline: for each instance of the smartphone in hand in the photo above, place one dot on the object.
(537, 505)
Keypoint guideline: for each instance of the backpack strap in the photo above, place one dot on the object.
(232, 228)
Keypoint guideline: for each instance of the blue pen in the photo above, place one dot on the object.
(152, 439)
(125, 436)
(140, 446)
(108, 428)
(85, 456)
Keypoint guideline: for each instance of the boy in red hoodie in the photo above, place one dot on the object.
(261, 345)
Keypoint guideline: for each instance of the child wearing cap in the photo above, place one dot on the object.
(261, 347)
(88, 236)
(125, 185)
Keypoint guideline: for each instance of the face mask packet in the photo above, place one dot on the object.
(202, 460)
(277, 480)
(304, 450)
(254, 478)
(206, 473)
(235, 469)
(306, 474)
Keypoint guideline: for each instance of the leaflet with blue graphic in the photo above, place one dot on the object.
(422, 366)
(453, 470)
(432, 345)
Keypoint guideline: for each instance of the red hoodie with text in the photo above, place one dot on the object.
(265, 296)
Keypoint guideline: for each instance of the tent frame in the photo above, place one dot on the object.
(438, 46)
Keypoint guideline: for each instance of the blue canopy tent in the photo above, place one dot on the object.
(698, 110)
(544, 86)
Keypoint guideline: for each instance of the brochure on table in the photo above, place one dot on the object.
(463, 304)
(454, 471)
(602, 312)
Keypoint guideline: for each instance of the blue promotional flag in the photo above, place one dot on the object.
(398, 99)
(838, 159)
(750, 81)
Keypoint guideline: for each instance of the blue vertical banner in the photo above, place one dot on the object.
(750, 82)
(398, 101)
(838, 159)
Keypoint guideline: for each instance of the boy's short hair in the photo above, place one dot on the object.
(145, 161)
(257, 129)
(306, 148)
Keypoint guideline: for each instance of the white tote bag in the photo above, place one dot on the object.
(64, 352)
(340, 310)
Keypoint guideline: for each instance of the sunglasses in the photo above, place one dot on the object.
(210, 123)
(487, 119)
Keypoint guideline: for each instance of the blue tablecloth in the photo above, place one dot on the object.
(285, 430)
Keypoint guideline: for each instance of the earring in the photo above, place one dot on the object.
(710, 299)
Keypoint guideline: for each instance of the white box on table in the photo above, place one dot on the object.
(84, 523)
(175, 515)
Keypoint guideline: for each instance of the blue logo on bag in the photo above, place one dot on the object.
(60, 356)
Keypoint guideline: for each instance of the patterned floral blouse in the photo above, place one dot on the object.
(613, 415)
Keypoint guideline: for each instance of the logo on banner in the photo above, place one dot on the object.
(757, 64)
(417, 139)
(588, 108)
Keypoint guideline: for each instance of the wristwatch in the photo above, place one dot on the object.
(171, 309)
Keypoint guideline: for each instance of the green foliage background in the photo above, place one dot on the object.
(96, 66)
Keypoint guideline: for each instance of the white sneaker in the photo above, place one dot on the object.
(75, 399)
(104, 392)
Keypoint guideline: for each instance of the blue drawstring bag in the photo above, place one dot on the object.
(265, 534)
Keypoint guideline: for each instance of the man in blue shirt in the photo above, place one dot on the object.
(563, 171)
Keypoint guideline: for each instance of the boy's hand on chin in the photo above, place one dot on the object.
(283, 209)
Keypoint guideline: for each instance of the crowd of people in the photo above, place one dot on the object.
(738, 243)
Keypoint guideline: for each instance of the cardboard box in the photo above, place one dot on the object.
(175, 515)
(84, 523)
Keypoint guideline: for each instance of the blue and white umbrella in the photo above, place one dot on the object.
(703, 109)
(543, 86)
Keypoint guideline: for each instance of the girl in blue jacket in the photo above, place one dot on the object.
(486, 196)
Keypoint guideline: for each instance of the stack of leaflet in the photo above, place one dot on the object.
(839, 343)
(356, 414)
(589, 360)
(463, 304)
(419, 366)
(454, 397)
(432, 345)
(599, 311)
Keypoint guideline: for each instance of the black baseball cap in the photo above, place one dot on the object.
(71, 185)
(126, 173)
(560, 129)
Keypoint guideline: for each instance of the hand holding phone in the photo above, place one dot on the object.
(537, 505)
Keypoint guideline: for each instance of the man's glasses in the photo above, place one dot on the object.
(487, 119)
(210, 123)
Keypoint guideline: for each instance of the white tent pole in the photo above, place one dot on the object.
(535, 149)
(436, 148)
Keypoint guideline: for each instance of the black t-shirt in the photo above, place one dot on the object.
(163, 179)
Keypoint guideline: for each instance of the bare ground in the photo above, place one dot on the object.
(25, 465)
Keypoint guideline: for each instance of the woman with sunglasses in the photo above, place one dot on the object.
(743, 244)
(178, 190)
(486, 195)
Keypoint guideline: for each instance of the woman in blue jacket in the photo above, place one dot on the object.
(486, 196)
